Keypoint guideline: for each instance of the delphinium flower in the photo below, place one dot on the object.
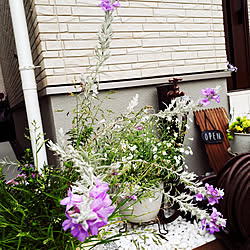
(209, 93)
(89, 213)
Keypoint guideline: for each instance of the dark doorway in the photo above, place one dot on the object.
(237, 42)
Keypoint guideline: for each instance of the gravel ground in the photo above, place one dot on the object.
(181, 234)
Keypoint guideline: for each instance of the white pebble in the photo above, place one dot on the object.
(183, 245)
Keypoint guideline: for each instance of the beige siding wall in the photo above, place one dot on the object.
(151, 38)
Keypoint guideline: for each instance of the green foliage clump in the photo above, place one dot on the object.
(241, 125)
(30, 212)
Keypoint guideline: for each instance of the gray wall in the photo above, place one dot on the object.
(198, 162)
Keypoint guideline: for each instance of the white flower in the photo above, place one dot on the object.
(102, 121)
(175, 134)
(115, 165)
(133, 148)
(220, 192)
(182, 150)
(164, 153)
(190, 150)
(133, 103)
(169, 144)
(169, 118)
(154, 149)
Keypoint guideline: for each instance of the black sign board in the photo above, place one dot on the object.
(212, 136)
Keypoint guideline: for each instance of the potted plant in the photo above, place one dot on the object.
(239, 135)
(108, 163)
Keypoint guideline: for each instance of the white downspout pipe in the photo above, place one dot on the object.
(27, 73)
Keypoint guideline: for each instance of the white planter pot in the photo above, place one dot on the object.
(144, 210)
(240, 143)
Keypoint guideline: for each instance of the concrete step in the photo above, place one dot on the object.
(6, 151)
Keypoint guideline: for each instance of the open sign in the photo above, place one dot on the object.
(212, 136)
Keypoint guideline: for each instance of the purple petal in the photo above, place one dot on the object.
(204, 101)
(95, 224)
(96, 205)
(65, 201)
(79, 232)
(216, 98)
(117, 4)
(199, 197)
(105, 212)
(98, 189)
(67, 224)
(206, 92)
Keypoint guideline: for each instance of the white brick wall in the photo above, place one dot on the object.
(151, 38)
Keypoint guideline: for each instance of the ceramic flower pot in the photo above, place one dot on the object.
(240, 143)
(144, 210)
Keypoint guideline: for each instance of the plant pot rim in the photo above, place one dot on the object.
(236, 133)
(241, 134)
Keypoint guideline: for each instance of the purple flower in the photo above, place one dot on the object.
(204, 101)
(206, 92)
(215, 214)
(117, 4)
(216, 98)
(203, 223)
(214, 192)
(212, 201)
(98, 217)
(209, 188)
(101, 206)
(95, 224)
(139, 127)
(68, 223)
(134, 197)
(108, 6)
(80, 232)
(212, 227)
(71, 200)
(199, 197)
(11, 181)
(98, 189)
(22, 175)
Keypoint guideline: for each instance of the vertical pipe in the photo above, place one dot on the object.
(26, 68)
